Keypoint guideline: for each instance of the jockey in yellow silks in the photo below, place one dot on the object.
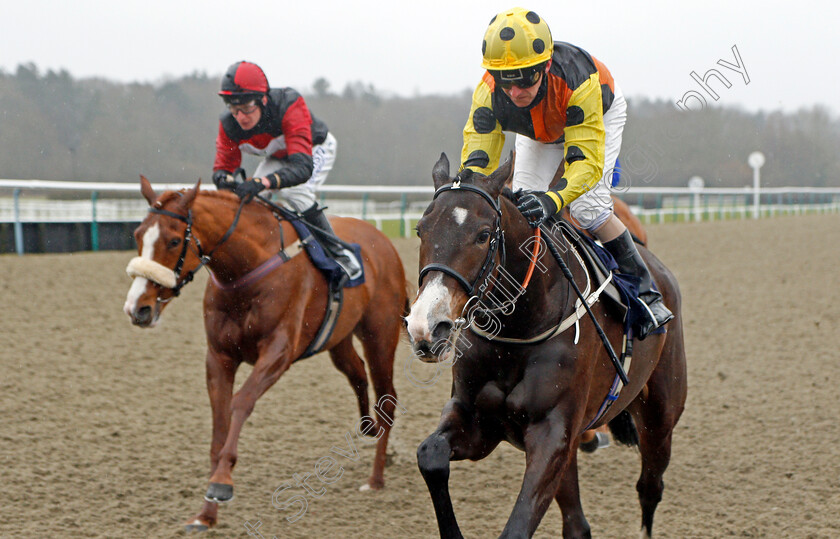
(567, 113)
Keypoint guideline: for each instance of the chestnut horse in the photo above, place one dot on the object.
(538, 396)
(265, 318)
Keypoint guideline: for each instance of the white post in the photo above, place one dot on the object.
(695, 185)
(756, 160)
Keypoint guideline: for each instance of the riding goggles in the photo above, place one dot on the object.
(247, 108)
(521, 78)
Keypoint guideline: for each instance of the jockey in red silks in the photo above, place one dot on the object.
(298, 150)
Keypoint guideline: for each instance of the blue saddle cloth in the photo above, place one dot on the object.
(323, 261)
(627, 285)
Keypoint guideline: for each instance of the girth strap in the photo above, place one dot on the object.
(334, 304)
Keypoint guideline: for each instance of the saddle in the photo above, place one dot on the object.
(321, 257)
(622, 290)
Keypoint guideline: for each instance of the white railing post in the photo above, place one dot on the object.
(695, 185)
(756, 160)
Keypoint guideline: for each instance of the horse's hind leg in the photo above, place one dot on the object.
(655, 447)
(568, 498)
(379, 335)
(656, 413)
(346, 360)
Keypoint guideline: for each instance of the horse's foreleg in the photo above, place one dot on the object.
(220, 377)
(267, 371)
(433, 456)
(457, 437)
(547, 456)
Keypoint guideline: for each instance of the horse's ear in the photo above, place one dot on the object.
(497, 180)
(189, 195)
(147, 191)
(440, 172)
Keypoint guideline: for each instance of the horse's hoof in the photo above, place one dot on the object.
(196, 526)
(370, 429)
(219, 493)
(367, 487)
(600, 441)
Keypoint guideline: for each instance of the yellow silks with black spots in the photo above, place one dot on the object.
(575, 94)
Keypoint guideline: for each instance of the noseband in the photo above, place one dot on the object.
(497, 244)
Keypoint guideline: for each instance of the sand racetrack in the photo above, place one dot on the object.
(105, 428)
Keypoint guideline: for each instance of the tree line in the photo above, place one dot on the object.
(56, 127)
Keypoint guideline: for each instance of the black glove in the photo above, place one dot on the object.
(536, 207)
(249, 188)
(224, 180)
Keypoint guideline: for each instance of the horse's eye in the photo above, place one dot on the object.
(483, 236)
(174, 242)
(417, 231)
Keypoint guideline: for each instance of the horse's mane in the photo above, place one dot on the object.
(219, 194)
(476, 178)
(169, 196)
(510, 195)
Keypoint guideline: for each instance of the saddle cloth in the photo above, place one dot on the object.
(322, 259)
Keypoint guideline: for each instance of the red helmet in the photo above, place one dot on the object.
(243, 82)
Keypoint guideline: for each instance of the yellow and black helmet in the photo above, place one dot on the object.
(516, 39)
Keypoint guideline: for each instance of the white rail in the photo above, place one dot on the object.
(39, 201)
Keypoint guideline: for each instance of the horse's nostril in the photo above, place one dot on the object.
(143, 314)
(442, 330)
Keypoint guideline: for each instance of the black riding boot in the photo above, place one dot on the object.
(344, 256)
(623, 249)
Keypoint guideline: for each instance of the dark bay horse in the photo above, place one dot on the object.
(265, 318)
(540, 397)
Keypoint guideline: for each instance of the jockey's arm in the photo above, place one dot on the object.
(296, 158)
(483, 136)
(228, 159)
(584, 145)
(296, 169)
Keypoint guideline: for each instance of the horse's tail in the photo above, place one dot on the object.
(637, 240)
(623, 429)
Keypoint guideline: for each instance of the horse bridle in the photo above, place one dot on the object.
(203, 258)
(497, 244)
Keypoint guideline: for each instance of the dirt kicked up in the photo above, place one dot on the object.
(105, 428)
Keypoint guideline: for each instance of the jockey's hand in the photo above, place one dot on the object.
(249, 188)
(224, 180)
(536, 207)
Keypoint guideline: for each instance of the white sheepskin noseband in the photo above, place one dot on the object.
(151, 270)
